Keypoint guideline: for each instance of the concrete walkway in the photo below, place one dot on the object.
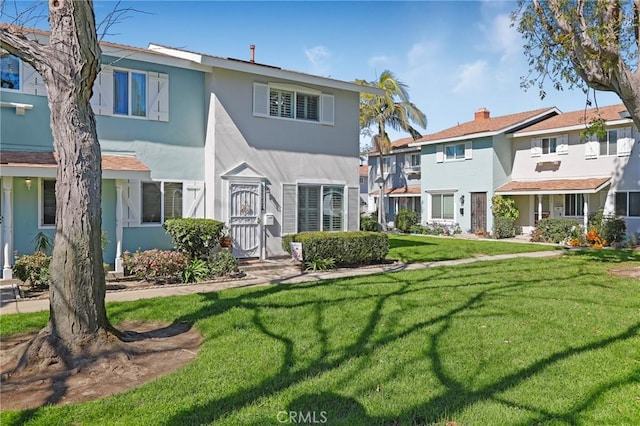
(270, 272)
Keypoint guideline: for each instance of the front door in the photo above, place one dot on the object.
(244, 220)
(478, 211)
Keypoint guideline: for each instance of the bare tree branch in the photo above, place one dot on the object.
(14, 40)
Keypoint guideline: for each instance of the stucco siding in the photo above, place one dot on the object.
(282, 151)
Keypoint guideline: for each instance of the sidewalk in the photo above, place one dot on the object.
(281, 271)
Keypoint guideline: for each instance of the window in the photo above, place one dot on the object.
(414, 160)
(387, 165)
(9, 71)
(363, 180)
(281, 104)
(454, 152)
(609, 143)
(292, 102)
(549, 145)
(320, 208)
(129, 93)
(627, 204)
(442, 206)
(574, 205)
(48, 203)
(161, 201)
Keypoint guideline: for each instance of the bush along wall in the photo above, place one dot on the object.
(195, 237)
(345, 248)
(505, 214)
(555, 230)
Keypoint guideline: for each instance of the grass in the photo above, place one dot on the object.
(421, 248)
(505, 342)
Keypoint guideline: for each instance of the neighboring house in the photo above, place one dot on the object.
(463, 165)
(401, 171)
(557, 172)
(266, 150)
(364, 188)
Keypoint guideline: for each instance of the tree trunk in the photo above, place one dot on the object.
(78, 324)
(382, 220)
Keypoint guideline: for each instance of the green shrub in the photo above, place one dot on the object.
(504, 207)
(368, 223)
(345, 248)
(556, 230)
(612, 229)
(195, 237)
(319, 264)
(157, 266)
(196, 271)
(405, 220)
(222, 263)
(504, 227)
(33, 269)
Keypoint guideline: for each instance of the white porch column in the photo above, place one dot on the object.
(539, 207)
(7, 228)
(118, 262)
(585, 220)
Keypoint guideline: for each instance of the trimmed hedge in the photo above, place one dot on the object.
(345, 248)
(196, 237)
(556, 230)
(405, 220)
(504, 227)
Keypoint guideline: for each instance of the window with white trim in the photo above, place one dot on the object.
(9, 71)
(387, 164)
(454, 152)
(574, 205)
(320, 207)
(292, 102)
(549, 145)
(627, 203)
(48, 202)
(442, 206)
(608, 143)
(129, 93)
(161, 201)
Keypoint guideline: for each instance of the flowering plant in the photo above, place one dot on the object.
(156, 265)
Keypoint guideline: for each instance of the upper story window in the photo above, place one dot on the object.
(129, 93)
(550, 145)
(10, 71)
(454, 152)
(614, 142)
(292, 102)
(388, 165)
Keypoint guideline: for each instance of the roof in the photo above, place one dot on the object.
(554, 186)
(579, 118)
(49, 159)
(398, 144)
(400, 192)
(486, 127)
(364, 170)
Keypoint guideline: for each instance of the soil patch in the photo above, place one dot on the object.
(154, 350)
(626, 271)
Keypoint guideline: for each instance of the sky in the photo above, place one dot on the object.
(455, 56)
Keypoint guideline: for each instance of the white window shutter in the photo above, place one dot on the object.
(327, 109)
(261, 99)
(591, 149)
(32, 82)
(353, 209)
(468, 150)
(536, 147)
(289, 208)
(193, 199)
(158, 95)
(131, 207)
(562, 148)
(625, 142)
(102, 99)
(439, 153)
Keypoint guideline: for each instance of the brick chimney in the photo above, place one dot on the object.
(482, 114)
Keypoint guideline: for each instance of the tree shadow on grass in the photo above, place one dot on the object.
(406, 241)
(453, 400)
(608, 255)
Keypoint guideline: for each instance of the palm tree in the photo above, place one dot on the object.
(392, 109)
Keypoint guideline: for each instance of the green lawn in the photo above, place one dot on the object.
(514, 342)
(422, 248)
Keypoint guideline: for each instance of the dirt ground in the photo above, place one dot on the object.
(158, 350)
(627, 271)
